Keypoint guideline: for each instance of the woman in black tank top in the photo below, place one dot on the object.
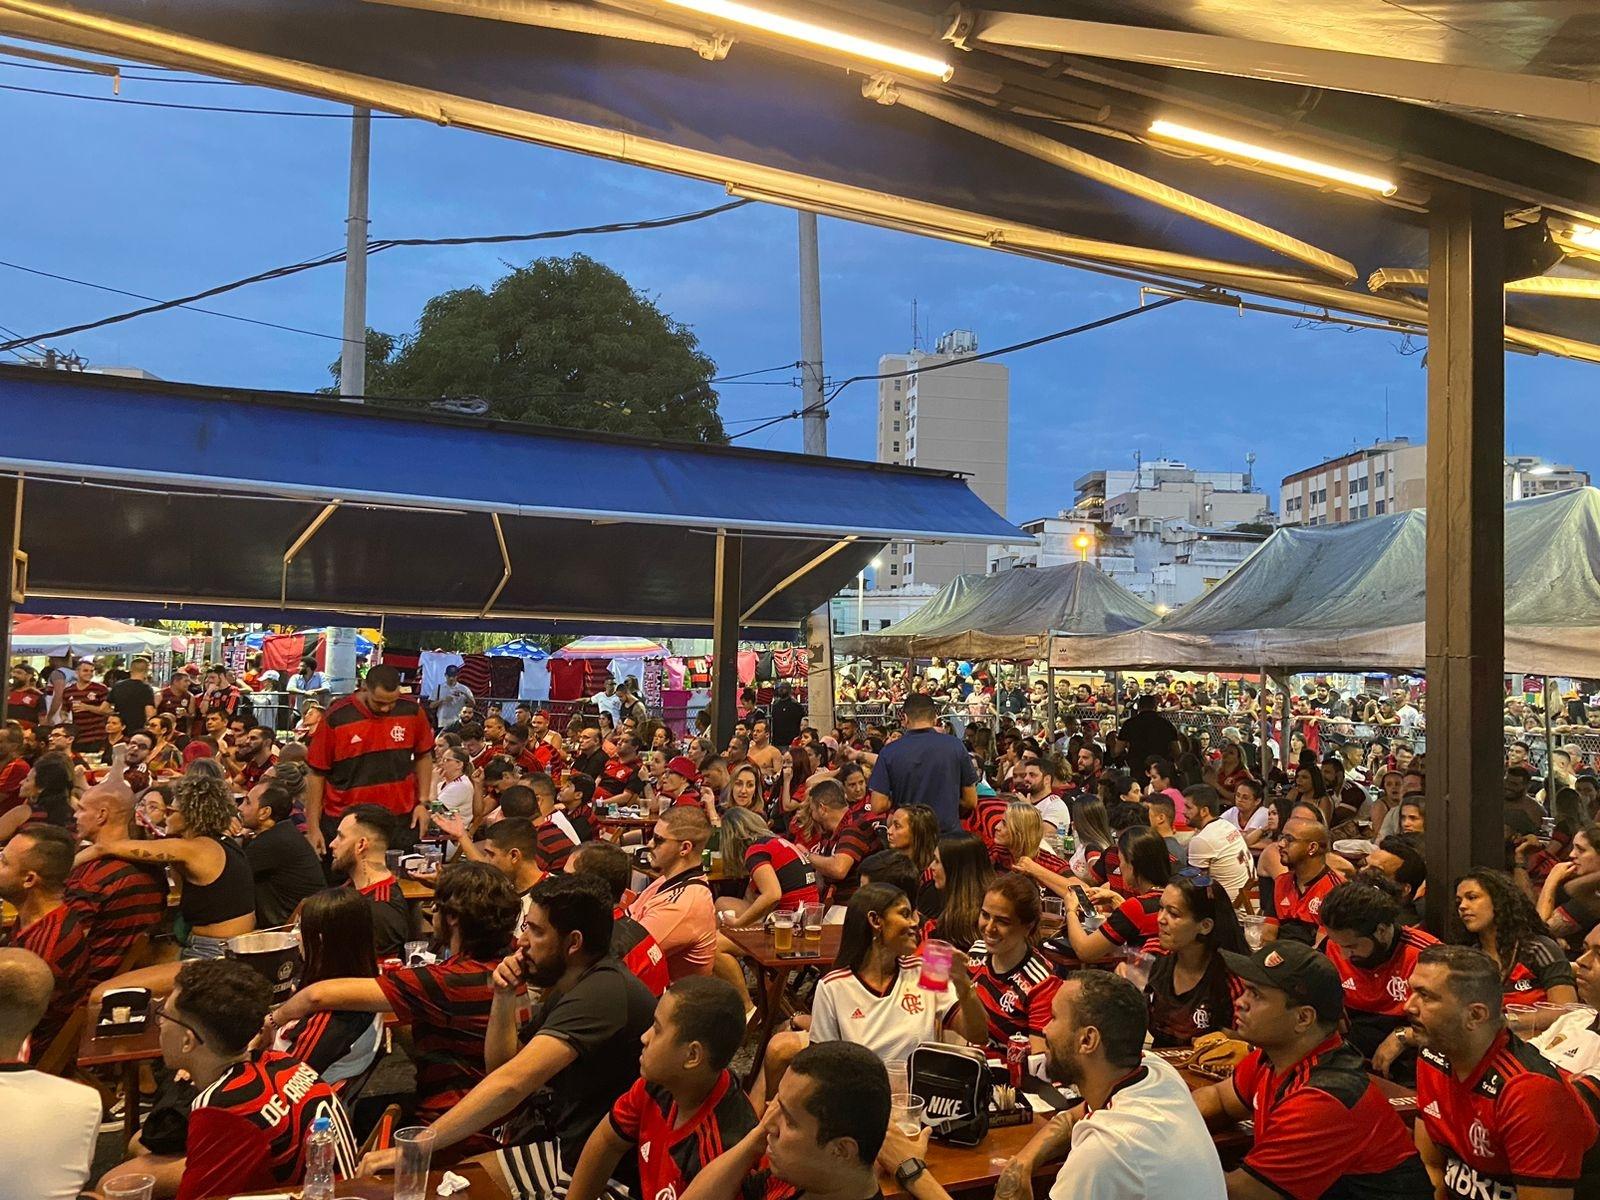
(218, 899)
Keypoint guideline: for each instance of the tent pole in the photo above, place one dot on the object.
(15, 566)
(1285, 726)
(1549, 750)
(1050, 701)
(725, 638)
(1266, 726)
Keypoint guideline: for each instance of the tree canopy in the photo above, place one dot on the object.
(562, 341)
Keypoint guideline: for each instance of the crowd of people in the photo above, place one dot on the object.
(573, 1002)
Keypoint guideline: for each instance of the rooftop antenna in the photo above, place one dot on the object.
(1249, 471)
(916, 328)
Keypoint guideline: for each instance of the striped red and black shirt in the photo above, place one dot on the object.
(797, 878)
(552, 844)
(248, 1129)
(61, 938)
(617, 777)
(368, 758)
(11, 777)
(119, 900)
(1015, 1001)
(1134, 923)
(638, 950)
(447, 1006)
(860, 835)
(91, 726)
(671, 1154)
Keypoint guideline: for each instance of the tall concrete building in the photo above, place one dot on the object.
(1392, 476)
(953, 419)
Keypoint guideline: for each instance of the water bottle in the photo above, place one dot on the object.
(320, 1164)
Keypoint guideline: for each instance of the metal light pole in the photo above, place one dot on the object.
(814, 424)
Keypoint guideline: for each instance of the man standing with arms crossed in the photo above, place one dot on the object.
(372, 747)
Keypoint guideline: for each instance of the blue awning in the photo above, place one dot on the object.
(253, 504)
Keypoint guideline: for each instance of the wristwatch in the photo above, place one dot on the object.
(909, 1172)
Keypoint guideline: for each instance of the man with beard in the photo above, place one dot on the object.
(1496, 1118)
(1375, 954)
(621, 774)
(1139, 1135)
(253, 755)
(1038, 779)
(358, 850)
(1322, 1127)
(582, 1047)
(591, 757)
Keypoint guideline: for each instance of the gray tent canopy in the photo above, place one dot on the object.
(1353, 596)
(1008, 616)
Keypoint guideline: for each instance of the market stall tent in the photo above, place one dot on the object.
(1352, 596)
(1010, 615)
(84, 635)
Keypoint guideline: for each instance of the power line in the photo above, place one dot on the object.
(210, 108)
(374, 247)
(788, 366)
(122, 71)
(1088, 327)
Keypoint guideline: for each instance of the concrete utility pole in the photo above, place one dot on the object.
(819, 632)
(340, 660)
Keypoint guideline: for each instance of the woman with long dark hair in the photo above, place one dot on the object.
(1017, 981)
(914, 832)
(877, 974)
(1567, 902)
(47, 796)
(335, 931)
(1493, 914)
(1092, 828)
(1146, 868)
(1191, 991)
(798, 768)
(962, 872)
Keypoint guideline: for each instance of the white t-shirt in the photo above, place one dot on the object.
(609, 704)
(1258, 819)
(455, 795)
(1053, 810)
(891, 1025)
(1220, 851)
(451, 699)
(1148, 1141)
(50, 1129)
(1571, 1044)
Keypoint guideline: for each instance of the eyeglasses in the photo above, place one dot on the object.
(160, 1013)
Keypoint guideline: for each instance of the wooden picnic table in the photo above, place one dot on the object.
(773, 971)
(480, 1185)
(127, 1051)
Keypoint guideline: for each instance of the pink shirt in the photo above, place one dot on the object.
(680, 915)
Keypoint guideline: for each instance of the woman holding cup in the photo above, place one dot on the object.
(1132, 925)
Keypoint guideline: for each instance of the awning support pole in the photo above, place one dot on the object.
(1050, 702)
(1266, 725)
(1466, 534)
(796, 575)
(1285, 725)
(299, 544)
(725, 638)
(15, 565)
(505, 566)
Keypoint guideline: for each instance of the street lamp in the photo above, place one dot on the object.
(861, 592)
(1082, 543)
(1517, 473)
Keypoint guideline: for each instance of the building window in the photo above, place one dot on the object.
(897, 447)
(1379, 480)
(882, 624)
(897, 404)
(866, 625)
(894, 568)
(897, 426)
(897, 384)
(1380, 508)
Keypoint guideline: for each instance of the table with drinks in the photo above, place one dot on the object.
(786, 942)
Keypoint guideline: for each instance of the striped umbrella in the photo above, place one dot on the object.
(611, 647)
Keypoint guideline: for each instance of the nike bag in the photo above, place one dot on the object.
(955, 1084)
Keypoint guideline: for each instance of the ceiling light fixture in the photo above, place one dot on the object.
(818, 35)
(1585, 236)
(1249, 152)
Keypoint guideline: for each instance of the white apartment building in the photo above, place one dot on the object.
(952, 419)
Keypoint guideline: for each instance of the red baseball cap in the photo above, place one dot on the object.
(683, 765)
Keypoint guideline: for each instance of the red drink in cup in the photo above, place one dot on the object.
(936, 959)
(1017, 1048)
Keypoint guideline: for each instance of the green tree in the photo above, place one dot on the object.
(562, 341)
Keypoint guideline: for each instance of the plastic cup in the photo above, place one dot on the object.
(1054, 909)
(899, 1077)
(1136, 968)
(1521, 1018)
(811, 922)
(936, 959)
(415, 1146)
(1251, 925)
(783, 932)
(905, 1113)
(129, 1187)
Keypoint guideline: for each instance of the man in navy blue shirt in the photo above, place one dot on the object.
(925, 766)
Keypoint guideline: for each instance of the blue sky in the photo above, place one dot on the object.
(164, 202)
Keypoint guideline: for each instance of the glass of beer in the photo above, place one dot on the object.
(783, 932)
(811, 921)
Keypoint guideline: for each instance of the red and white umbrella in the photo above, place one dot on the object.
(83, 636)
(611, 647)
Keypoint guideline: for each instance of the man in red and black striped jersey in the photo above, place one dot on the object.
(621, 774)
(25, 703)
(254, 754)
(631, 942)
(34, 866)
(686, 1108)
(558, 834)
(821, 1136)
(360, 853)
(118, 899)
(179, 700)
(87, 703)
(1496, 1118)
(372, 747)
(850, 835)
(1299, 892)
(248, 1126)
(447, 1003)
(1322, 1127)
(13, 769)
(1375, 955)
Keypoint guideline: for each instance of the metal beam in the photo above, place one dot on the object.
(578, 18)
(1465, 538)
(725, 637)
(14, 563)
(795, 576)
(317, 522)
(1541, 97)
(505, 566)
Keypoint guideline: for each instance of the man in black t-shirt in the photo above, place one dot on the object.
(1147, 734)
(133, 698)
(580, 1049)
(286, 868)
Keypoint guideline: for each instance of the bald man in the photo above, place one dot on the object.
(1300, 890)
(119, 899)
(51, 1123)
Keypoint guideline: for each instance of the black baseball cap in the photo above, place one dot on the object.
(1302, 973)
